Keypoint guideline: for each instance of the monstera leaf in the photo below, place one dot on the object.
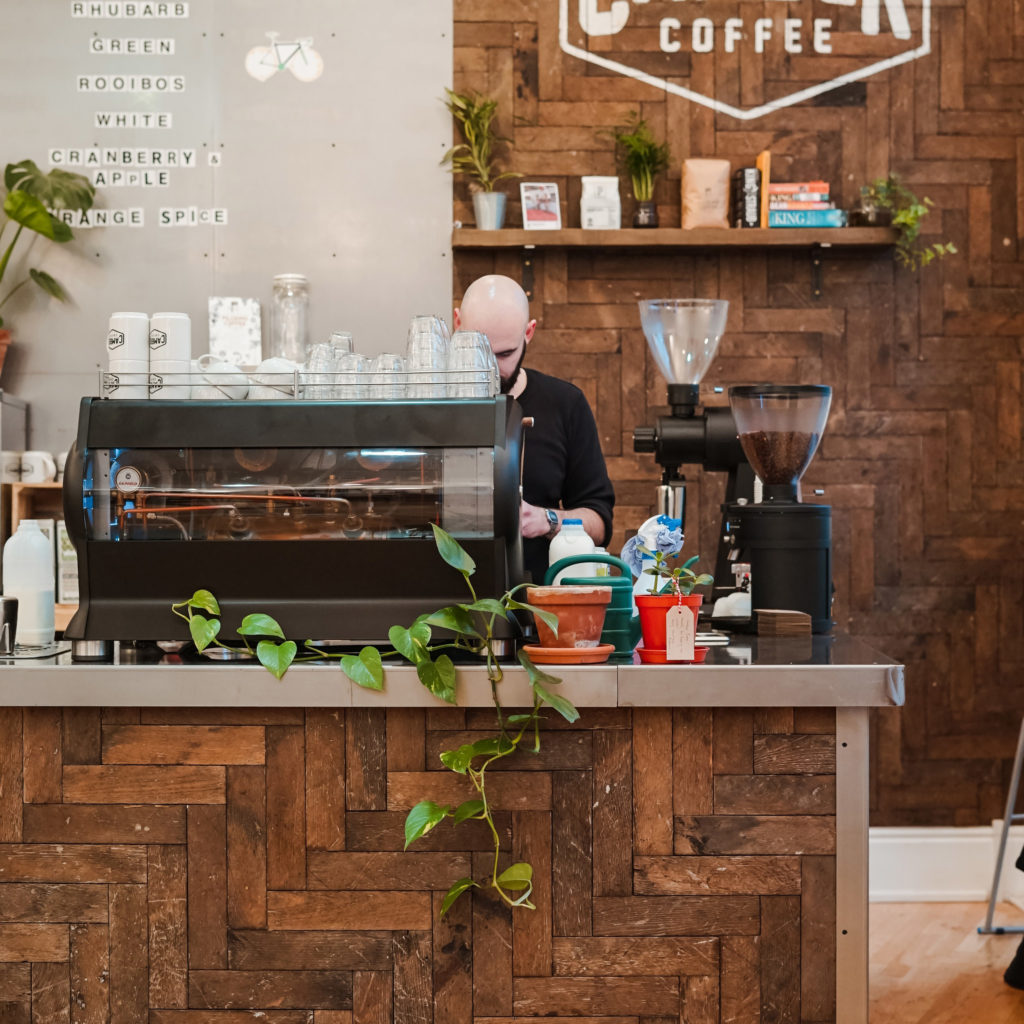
(56, 190)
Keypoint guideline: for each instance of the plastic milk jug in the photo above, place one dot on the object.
(28, 576)
(570, 540)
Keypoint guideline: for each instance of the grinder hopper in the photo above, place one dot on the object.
(780, 427)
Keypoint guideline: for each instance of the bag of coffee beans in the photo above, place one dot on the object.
(705, 193)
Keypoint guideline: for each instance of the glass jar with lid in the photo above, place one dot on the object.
(289, 317)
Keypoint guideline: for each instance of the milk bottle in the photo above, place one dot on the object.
(28, 576)
(572, 539)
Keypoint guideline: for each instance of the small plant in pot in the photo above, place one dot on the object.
(888, 201)
(674, 589)
(644, 158)
(474, 156)
(31, 195)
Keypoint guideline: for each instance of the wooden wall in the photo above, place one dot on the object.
(190, 866)
(922, 460)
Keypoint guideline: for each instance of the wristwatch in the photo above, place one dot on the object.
(553, 523)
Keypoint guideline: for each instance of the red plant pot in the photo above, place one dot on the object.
(580, 612)
(654, 607)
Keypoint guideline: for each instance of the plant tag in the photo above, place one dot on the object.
(680, 633)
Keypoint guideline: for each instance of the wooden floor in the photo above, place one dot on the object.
(930, 966)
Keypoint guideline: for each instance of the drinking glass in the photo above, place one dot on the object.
(341, 342)
(389, 377)
(476, 341)
(354, 369)
(471, 375)
(319, 372)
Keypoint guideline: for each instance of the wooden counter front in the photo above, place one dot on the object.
(700, 860)
(174, 864)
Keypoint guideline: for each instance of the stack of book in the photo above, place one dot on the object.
(782, 622)
(802, 204)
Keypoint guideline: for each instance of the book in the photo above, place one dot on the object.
(746, 198)
(764, 165)
(799, 197)
(786, 187)
(807, 219)
(782, 204)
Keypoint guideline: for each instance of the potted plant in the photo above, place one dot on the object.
(888, 201)
(30, 196)
(475, 155)
(644, 158)
(470, 626)
(675, 585)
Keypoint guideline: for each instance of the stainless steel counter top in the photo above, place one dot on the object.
(835, 671)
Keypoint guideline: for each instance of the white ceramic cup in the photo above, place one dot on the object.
(267, 393)
(37, 467)
(61, 458)
(128, 336)
(170, 336)
(226, 379)
(170, 379)
(273, 374)
(10, 467)
(116, 384)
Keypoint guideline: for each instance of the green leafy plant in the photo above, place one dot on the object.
(471, 625)
(907, 212)
(643, 157)
(679, 579)
(31, 195)
(475, 157)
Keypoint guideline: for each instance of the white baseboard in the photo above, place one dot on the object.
(943, 865)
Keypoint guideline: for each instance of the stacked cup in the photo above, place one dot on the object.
(127, 373)
(476, 369)
(170, 355)
(427, 356)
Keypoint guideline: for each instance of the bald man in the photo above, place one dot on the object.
(564, 475)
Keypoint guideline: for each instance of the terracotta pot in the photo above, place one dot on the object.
(580, 612)
(5, 341)
(654, 607)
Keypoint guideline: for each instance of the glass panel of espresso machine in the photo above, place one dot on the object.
(283, 494)
(319, 514)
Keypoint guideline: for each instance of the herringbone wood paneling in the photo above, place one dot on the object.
(922, 460)
(684, 865)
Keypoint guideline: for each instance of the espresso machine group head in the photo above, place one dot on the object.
(787, 543)
(683, 337)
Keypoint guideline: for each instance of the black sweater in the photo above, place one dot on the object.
(563, 466)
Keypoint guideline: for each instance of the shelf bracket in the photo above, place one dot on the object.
(817, 283)
(526, 256)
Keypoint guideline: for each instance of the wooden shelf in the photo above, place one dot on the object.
(654, 238)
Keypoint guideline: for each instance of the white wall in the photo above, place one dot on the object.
(337, 178)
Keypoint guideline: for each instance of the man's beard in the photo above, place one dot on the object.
(508, 382)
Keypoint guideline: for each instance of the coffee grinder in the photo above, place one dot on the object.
(787, 543)
(683, 336)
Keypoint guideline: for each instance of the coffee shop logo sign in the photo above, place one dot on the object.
(663, 31)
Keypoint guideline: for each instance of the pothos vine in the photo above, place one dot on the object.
(471, 625)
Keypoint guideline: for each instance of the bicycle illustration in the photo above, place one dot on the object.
(298, 56)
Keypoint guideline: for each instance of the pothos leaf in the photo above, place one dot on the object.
(422, 818)
(438, 677)
(408, 645)
(457, 889)
(537, 675)
(204, 631)
(564, 707)
(366, 670)
(469, 809)
(453, 617)
(260, 625)
(203, 600)
(516, 877)
(550, 619)
(452, 551)
(276, 657)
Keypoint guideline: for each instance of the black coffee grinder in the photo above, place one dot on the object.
(682, 336)
(787, 543)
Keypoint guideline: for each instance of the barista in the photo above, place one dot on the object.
(564, 473)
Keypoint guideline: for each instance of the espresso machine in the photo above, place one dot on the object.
(317, 513)
(682, 336)
(787, 543)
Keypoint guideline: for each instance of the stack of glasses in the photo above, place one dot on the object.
(436, 365)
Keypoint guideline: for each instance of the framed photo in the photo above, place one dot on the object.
(541, 211)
